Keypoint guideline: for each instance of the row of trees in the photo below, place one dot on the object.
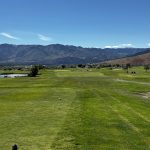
(35, 68)
(98, 66)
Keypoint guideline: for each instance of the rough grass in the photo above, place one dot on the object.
(76, 109)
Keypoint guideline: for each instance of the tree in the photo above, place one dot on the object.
(146, 67)
(41, 67)
(127, 67)
(34, 71)
(63, 66)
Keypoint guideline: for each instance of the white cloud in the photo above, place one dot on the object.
(7, 35)
(148, 44)
(120, 46)
(115, 46)
(108, 47)
(44, 38)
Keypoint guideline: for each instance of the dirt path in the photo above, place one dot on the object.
(121, 80)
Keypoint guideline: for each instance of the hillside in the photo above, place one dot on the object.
(137, 59)
(56, 54)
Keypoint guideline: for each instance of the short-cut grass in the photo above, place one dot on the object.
(76, 109)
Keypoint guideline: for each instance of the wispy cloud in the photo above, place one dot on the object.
(7, 35)
(44, 38)
(120, 46)
(148, 44)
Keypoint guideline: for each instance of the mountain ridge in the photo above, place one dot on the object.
(56, 54)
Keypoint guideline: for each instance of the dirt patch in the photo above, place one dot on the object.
(145, 95)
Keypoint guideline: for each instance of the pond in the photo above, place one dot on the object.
(12, 75)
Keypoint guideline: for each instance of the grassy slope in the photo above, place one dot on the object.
(76, 109)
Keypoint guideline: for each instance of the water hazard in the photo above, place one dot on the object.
(13, 75)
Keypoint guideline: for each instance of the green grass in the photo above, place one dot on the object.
(76, 109)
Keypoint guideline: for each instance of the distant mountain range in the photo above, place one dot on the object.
(56, 54)
(140, 58)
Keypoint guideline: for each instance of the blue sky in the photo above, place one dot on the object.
(88, 23)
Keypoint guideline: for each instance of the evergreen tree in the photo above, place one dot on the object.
(34, 71)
